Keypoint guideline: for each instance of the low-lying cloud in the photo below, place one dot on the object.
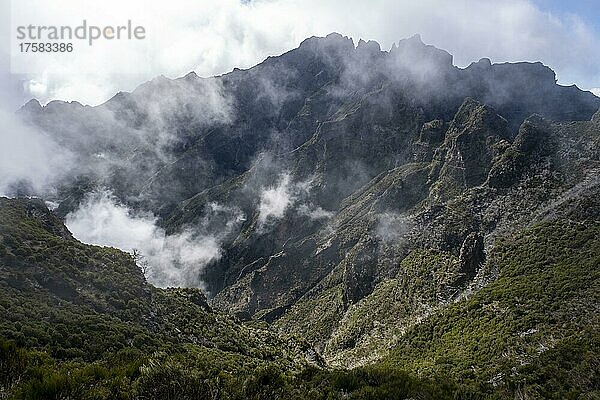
(172, 260)
(391, 228)
(28, 158)
(276, 200)
(314, 212)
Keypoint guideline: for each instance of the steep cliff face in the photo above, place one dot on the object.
(474, 139)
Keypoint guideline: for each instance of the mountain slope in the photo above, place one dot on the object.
(425, 257)
(83, 323)
(534, 330)
(393, 211)
(87, 303)
(531, 332)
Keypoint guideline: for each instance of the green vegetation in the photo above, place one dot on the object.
(374, 324)
(130, 374)
(80, 321)
(78, 301)
(533, 331)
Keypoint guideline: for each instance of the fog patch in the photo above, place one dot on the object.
(171, 260)
(313, 212)
(30, 160)
(164, 99)
(274, 201)
(273, 91)
(391, 228)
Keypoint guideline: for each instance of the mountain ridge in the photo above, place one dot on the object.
(365, 201)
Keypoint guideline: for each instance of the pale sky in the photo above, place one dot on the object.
(212, 37)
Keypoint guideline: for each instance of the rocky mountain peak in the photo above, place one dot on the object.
(533, 135)
(369, 47)
(334, 42)
(475, 117)
(413, 50)
(32, 106)
(533, 142)
(482, 64)
(470, 146)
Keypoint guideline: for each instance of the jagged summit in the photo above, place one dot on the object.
(190, 76)
(370, 46)
(413, 50)
(410, 57)
(32, 105)
(483, 63)
(332, 42)
(326, 88)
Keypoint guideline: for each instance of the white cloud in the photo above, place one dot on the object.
(174, 260)
(212, 37)
(275, 200)
(29, 156)
(392, 228)
(314, 212)
(596, 91)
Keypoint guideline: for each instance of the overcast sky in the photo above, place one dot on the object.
(213, 36)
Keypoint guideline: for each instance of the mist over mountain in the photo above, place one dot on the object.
(184, 135)
(384, 206)
(170, 141)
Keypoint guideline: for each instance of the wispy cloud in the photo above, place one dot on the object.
(274, 201)
(29, 157)
(392, 227)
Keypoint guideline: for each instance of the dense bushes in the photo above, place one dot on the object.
(533, 331)
(130, 374)
(80, 322)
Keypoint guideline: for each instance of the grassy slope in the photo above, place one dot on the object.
(80, 304)
(81, 322)
(533, 331)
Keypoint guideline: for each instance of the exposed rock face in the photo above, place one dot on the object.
(430, 137)
(471, 256)
(533, 137)
(474, 139)
(532, 143)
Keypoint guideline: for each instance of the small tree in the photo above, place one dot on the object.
(140, 261)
